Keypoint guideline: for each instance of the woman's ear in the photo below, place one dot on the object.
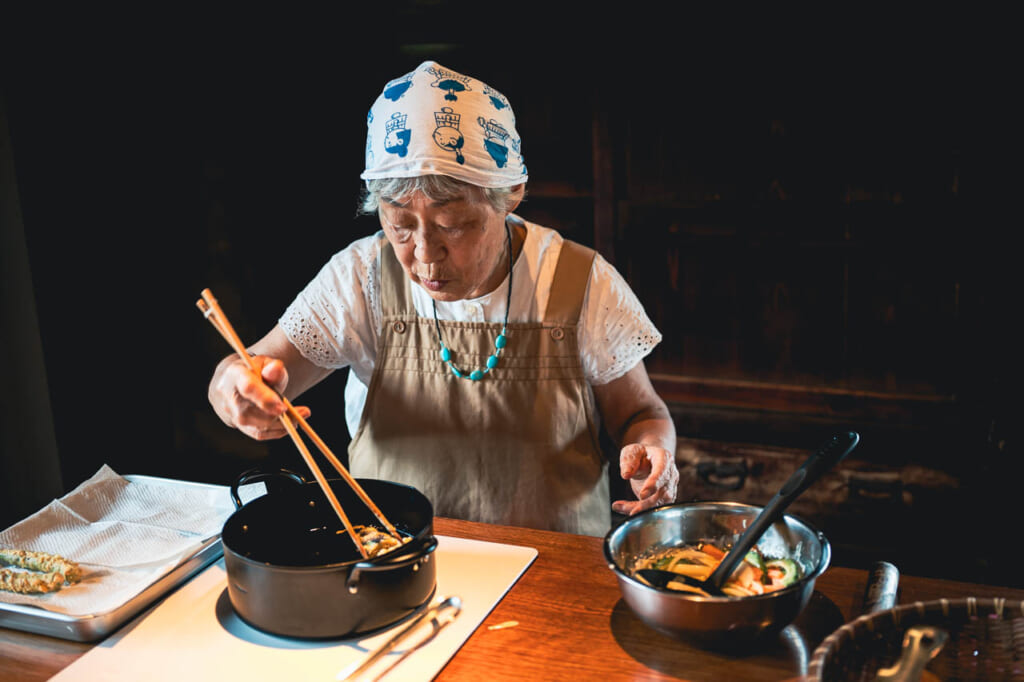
(515, 196)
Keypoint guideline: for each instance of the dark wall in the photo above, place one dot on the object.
(148, 172)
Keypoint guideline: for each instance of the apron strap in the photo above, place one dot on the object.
(570, 284)
(395, 297)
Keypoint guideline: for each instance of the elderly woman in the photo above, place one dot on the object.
(486, 352)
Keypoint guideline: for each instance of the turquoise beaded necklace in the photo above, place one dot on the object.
(499, 343)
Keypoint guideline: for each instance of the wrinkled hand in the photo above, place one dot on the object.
(251, 402)
(652, 474)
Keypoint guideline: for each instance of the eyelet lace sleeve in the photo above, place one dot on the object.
(617, 333)
(333, 320)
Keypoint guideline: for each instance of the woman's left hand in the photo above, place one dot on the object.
(652, 473)
(635, 415)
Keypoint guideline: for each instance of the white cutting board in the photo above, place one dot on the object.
(195, 635)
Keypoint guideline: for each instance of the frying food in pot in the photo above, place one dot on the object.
(377, 542)
(756, 574)
(41, 572)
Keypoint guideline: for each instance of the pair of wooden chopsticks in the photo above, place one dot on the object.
(211, 310)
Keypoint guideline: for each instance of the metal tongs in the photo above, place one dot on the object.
(439, 616)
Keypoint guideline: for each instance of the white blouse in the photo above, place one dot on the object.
(334, 322)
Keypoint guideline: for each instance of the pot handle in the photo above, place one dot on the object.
(412, 556)
(256, 475)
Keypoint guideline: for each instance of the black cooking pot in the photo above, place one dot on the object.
(294, 571)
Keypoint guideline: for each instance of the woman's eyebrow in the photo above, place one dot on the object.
(436, 203)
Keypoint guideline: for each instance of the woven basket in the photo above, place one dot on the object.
(986, 641)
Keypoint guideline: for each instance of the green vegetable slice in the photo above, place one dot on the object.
(662, 562)
(787, 567)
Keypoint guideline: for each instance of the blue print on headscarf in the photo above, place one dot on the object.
(452, 86)
(497, 99)
(397, 136)
(497, 152)
(447, 135)
(495, 137)
(517, 147)
(449, 80)
(396, 88)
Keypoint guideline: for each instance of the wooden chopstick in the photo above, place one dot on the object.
(324, 485)
(336, 463)
(211, 310)
(215, 315)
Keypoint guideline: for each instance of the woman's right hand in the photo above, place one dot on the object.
(248, 400)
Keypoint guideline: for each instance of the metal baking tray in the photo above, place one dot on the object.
(92, 627)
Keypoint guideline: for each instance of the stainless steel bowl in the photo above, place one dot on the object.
(714, 621)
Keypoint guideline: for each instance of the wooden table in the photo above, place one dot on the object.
(573, 624)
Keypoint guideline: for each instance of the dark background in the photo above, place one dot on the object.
(817, 212)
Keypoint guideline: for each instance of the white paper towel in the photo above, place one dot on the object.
(124, 533)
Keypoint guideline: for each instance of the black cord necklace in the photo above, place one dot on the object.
(499, 343)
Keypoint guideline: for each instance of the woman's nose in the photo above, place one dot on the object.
(429, 248)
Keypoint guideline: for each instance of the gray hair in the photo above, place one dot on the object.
(435, 188)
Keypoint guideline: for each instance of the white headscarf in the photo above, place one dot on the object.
(435, 121)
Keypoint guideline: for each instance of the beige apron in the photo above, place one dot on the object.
(519, 447)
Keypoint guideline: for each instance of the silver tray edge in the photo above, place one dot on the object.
(93, 627)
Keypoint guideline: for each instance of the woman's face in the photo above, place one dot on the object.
(455, 250)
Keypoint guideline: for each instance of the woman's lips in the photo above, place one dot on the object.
(433, 284)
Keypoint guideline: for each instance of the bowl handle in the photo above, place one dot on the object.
(257, 475)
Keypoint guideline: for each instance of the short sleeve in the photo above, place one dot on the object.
(616, 333)
(333, 321)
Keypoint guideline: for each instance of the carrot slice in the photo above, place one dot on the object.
(713, 551)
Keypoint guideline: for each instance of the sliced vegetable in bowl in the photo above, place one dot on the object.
(756, 574)
(783, 572)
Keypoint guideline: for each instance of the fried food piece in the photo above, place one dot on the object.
(375, 541)
(30, 583)
(42, 562)
(43, 572)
